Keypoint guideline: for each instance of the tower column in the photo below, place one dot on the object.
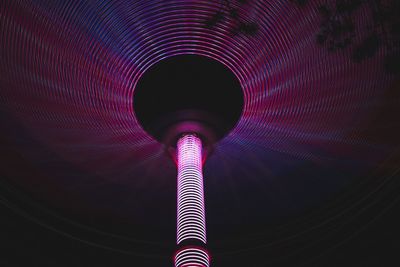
(191, 224)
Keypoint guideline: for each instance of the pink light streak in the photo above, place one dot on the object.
(190, 211)
(192, 257)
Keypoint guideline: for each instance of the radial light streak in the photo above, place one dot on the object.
(68, 72)
(83, 77)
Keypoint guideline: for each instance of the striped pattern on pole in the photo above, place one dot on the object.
(191, 214)
(192, 257)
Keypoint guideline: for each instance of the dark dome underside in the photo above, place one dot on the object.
(184, 88)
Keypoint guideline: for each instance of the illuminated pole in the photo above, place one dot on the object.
(191, 223)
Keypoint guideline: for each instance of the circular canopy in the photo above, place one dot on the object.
(68, 74)
(184, 89)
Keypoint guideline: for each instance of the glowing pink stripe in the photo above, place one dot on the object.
(192, 257)
(191, 215)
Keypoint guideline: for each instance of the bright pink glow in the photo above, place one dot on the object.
(192, 257)
(191, 214)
